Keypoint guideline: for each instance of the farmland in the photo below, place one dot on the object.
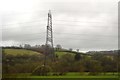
(70, 75)
(21, 63)
(20, 52)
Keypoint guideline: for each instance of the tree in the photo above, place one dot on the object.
(41, 70)
(77, 66)
(77, 50)
(27, 46)
(109, 64)
(95, 67)
(47, 49)
(70, 49)
(64, 64)
(97, 56)
(77, 56)
(20, 46)
(58, 47)
(92, 66)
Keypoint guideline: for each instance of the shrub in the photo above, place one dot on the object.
(41, 70)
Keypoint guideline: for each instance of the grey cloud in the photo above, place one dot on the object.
(97, 21)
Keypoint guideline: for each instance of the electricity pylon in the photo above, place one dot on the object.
(49, 36)
(49, 49)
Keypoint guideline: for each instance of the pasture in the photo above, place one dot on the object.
(20, 52)
(70, 75)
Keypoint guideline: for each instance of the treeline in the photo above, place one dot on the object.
(94, 64)
(111, 52)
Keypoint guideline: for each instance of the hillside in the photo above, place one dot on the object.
(59, 54)
(20, 52)
(22, 61)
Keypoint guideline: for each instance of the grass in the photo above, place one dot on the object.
(63, 53)
(69, 76)
(20, 52)
(73, 77)
(79, 75)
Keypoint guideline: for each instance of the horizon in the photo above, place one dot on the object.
(66, 48)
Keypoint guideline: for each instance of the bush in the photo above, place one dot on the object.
(41, 70)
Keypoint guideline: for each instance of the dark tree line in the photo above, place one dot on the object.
(94, 64)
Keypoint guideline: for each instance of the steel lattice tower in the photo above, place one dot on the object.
(49, 36)
(49, 51)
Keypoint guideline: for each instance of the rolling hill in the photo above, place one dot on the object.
(20, 52)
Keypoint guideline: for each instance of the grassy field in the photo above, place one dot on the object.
(70, 75)
(63, 53)
(20, 52)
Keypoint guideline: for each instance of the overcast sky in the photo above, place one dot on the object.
(78, 24)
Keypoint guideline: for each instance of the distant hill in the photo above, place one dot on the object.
(111, 52)
(20, 52)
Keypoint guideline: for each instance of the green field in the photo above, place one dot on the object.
(20, 52)
(63, 53)
(70, 75)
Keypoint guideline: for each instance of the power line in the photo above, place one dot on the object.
(22, 22)
(28, 34)
(23, 27)
(86, 34)
(53, 24)
(33, 38)
(66, 25)
(54, 20)
(24, 13)
(30, 39)
(74, 39)
(41, 37)
(72, 34)
(82, 21)
(83, 26)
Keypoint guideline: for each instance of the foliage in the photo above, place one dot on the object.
(58, 47)
(41, 70)
(77, 57)
(26, 61)
(60, 54)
